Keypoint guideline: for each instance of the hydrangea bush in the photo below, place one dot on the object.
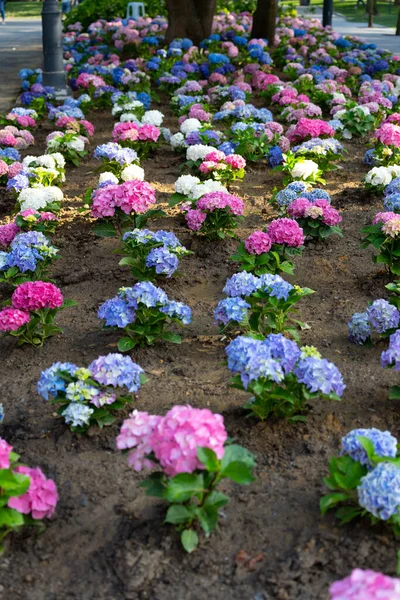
(91, 396)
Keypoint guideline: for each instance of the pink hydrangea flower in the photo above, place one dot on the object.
(134, 196)
(389, 134)
(195, 219)
(215, 200)
(41, 498)
(14, 169)
(392, 227)
(383, 217)
(235, 161)
(215, 156)
(286, 231)
(309, 128)
(298, 207)
(135, 433)
(331, 216)
(34, 295)
(7, 234)
(12, 319)
(177, 436)
(104, 202)
(3, 168)
(88, 127)
(366, 585)
(5, 450)
(258, 242)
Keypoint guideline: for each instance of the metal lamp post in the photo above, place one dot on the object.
(327, 12)
(53, 65)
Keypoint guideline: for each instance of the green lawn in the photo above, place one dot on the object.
(387, 12)
(23, 9)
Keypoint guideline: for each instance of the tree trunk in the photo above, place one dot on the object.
(398, 24)
(375, 10)
(397, 2)
(264, 21)
(190, 19)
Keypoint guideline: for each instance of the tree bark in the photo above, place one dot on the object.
(375, 10)
(264, 21)
(398, 24)
(190, 19)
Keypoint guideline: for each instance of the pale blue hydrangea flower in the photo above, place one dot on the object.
(385, 444)
(379, 491)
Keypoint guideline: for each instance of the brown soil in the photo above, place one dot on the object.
(107, 540)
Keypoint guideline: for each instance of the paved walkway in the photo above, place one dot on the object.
(384, 37)
(20, 47)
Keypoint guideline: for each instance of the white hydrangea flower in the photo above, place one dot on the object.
(198, 151)
(363, 109)
(108, 176)
(77, 144)
(379, 176)
(153, 117)
(129, 117)
(59, 159)
(340, 114)
(177, 140)
(304, 169)
(206, 188)
(166, 133)
(190, 125)
(132, 172)
(185, 183)
(52, 193)
(347, 135)
(33, 198)
(394, 170)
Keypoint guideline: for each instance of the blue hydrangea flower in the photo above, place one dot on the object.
(379, 491)
(284, 350)
(275, 156)
(79, 391)
(178, 310)
(261, 365)
(316, 194)
(382, 315)
(117, 370)
(50, 381)
(141, 236)
(393, 187)
(116, 312)
(290, 192)
(359, 328)
(241, 284)
(1, 413)
(392, 202)
(391, 356)
(385, 444)
(319, 375)
(239, 350)
(231, 309)
(275, 285)
(167, 238)
(164, 261)
(77, 414)
(23, 257)
(144, 292)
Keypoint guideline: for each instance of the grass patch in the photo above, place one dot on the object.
(387, 12)
(28, 10)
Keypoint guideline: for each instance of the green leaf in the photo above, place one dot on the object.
(169, 336)
(217, 499)
(104, 229)
(125, 344)
(367, 445)
(208, 517)
(178, 514)
(14, 484)
(69, 302)
(183, 487)
(154, 485)
(394, 392)
(209, 459)
(176, 199)
(128, 260)
(238, 472)
(189, 540)
(236, 453)
(347, 513)
(331, 500)
(11, 517)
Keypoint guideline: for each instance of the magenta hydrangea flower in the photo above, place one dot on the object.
(7, 234)
(5, 450)
(258, 242)
(215, 200)
(366, 585)
(286, 231)
(34, 295)
(12, 319)
(195, 219)
(235, 161)
(298, 207)
(41, 498)
(135, 433)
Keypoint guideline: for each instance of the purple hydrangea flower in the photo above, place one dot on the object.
(383, 316)
(319, 375)
(241, 284)
(385, 444)
(116, 312)
(379, 491)
(359, 328)
(231, 309)
(260, 364)
(391, 356)
(117, 370)
(164, 261)
(284, 350)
